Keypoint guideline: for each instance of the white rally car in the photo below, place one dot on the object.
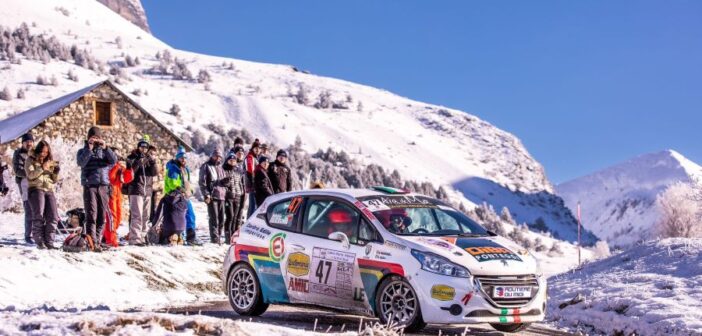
(383, 252)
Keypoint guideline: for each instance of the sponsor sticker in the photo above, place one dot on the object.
(438, 243)
(512, 292)
(487, 250)
(298, 264)
(395, 245)
(257, 231)
(299, 285)
(269, 270)
(382, 255)
(364, 210)
(277, 246)
(443, 292)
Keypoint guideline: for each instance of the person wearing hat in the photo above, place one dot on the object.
(264, 150)
(178, 176)
(213, 188)
(280, 174)
(262, 183)
(18, 160)
(250, 163)
(95, 160)
(234, 199)
(143, 166)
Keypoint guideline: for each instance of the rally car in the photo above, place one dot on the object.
(402, 257)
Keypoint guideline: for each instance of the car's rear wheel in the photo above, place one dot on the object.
(397, 303)
(244, 291)
(510, 327)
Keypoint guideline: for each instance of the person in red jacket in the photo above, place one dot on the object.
(118, 175)
(250, 164)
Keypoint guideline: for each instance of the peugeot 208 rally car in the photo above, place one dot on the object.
(403, 257)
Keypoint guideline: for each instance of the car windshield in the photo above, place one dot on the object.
(421, 216)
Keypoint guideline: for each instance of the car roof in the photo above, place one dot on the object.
(339, 192)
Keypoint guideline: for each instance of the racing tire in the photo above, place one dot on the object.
(244, 291)
(510, 327)
(397, 304)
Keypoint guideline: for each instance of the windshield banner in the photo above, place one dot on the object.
(390, 202)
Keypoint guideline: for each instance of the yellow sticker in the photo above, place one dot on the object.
(298, 264)
(443, 292)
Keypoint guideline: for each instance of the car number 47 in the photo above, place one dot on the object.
(322, 272)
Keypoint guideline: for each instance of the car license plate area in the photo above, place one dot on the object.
(509, 292)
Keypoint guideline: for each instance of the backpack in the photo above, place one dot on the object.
(78, 242)
(153, 236)
(75, 219)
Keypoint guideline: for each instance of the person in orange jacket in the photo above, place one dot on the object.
(118, 176)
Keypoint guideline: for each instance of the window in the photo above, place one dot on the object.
(103, 113)
(323, 217)
(282, 215)
(366, 232)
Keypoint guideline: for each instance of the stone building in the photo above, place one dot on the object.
(122, 120)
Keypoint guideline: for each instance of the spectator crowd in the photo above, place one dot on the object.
(159, 196)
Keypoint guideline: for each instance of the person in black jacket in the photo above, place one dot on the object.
(280, 174)
(95, 160)
(18, 159)
(212, 185)
(234, 199)
(262, 184)
(140, 190)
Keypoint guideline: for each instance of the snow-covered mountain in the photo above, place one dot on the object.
(474, 160)
(618, 203)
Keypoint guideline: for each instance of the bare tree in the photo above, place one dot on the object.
(5, 94)
(680, 212)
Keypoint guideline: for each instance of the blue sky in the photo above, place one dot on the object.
(584, 84)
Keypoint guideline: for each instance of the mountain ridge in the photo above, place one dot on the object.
(618, 202)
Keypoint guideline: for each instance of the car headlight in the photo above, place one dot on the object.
(437, 264)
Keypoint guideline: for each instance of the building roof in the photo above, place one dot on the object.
(19, 124)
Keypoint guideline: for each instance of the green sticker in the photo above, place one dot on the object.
(276, 249)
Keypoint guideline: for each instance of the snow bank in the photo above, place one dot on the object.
(108, 323)
(124, 278)
(652, 289)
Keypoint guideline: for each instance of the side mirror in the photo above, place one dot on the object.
(491, 233)
(340, 237)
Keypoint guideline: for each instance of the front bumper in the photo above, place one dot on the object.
(450, 300)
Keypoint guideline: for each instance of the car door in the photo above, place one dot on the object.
(320, 270)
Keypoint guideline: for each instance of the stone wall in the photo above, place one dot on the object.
(129, 125)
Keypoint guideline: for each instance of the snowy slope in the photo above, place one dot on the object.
(618, 203)
(424, 142)
(651, 289)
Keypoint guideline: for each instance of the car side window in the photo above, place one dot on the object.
(324, 216)
(366, 232)
(282, 215)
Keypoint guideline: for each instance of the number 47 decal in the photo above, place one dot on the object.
(321, 273)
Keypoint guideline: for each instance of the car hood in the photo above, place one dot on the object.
(481, 255)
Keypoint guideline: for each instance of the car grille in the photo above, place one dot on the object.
(488, 283)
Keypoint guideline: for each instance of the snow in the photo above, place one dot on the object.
(618, 203)
(651, 289)
(152, 324)
(125, 278)
(423, 142)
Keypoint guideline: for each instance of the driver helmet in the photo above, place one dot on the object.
(394, 218)
(340, 220)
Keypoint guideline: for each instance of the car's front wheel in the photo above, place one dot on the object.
(244, 291)
(510, 327)
(396, 303)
